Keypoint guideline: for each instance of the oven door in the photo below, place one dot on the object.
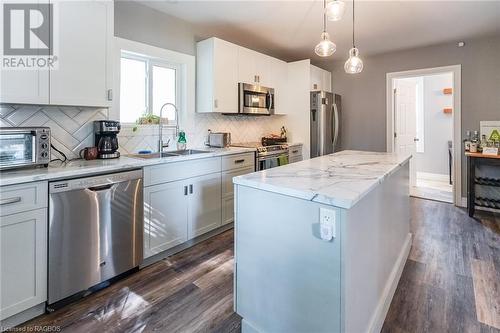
(271, 161)
(17, 148)
(255, 100)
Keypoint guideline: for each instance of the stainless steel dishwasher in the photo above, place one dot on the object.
(95, 231)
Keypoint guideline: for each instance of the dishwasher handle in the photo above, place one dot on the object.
(101, 187)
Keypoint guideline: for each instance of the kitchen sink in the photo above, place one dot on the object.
(169, 153)
(189, 152)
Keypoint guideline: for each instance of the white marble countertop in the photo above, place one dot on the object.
(81, 168)
(339, 179)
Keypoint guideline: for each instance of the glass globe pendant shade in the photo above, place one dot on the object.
(326, 47)
(335, 10)
(354, 64)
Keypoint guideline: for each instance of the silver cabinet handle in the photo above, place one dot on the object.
(239, 161)
(185, 190)
(10, 201)
(191, 189)
(295, 151)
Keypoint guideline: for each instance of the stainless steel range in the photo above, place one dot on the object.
(267, 156)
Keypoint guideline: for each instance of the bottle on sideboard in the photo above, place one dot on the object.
(467, 141)
(474, 144)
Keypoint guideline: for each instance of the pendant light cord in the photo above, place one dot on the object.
(324, 15)
(353, 44)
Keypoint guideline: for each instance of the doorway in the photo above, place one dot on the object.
(424, 121)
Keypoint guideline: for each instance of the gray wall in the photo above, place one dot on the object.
(364, 95)
(142, 24)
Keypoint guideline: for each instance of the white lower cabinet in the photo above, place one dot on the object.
(180, 210)
(204, 204)
(228, 193)
(23, 269)
(165, 216)
(187, 199)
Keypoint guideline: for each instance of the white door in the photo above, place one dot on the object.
(225, 77)
(205, 210)
(405, 120)
(84, 35)
(247, 65)
(165, 216)
(26, 86)
(23, 257)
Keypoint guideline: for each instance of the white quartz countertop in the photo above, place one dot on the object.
(82, 168)
(339, 179)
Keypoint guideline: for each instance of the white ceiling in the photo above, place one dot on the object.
(290, 29)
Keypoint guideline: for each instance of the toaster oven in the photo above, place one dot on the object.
(219, 140)
(24, 147)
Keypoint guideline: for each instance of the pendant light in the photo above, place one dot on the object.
(325, 47)
(354, 64)
(335, 10)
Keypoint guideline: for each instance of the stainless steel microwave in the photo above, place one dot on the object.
(255, 99)
(24, 146)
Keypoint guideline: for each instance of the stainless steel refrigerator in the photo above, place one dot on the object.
(325, 123)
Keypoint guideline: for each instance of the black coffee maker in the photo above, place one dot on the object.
(106, 141)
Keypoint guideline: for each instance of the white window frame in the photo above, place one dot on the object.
(150, 63)
(187, 76)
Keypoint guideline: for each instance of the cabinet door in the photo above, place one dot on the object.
(204, 204)
(264, 66)
(225, 77)
(165, 216)
(280, 75)
(23, 251)
(316, 78)
(85, 33)
(327, 81)
(247, 65)
(228, 193)
(25, 86)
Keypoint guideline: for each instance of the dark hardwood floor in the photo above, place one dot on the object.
(451, 283)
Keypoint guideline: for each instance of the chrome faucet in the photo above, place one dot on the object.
(160, 140)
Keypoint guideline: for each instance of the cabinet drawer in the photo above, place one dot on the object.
(238, 161)
(295, 159)
(21, 198)
(164, 173)
(227, 179)
(295, 151)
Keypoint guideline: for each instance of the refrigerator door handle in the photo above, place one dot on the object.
(336, 125)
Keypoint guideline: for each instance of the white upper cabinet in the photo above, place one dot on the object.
(82, 42)
(84, 72)
(254, 67)
(320, 79)
(217, 76)
(221, 65)
(279, 72)
(25, 86)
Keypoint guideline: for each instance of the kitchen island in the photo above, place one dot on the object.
(295, 274)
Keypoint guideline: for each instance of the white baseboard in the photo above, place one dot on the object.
(433, 176)
(378, 318)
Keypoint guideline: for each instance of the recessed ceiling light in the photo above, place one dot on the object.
(461, 44)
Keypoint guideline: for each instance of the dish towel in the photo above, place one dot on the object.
(282, 160)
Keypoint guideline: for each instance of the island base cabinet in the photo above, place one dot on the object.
(23, 269)
(228, 192)
(287, 278)
(165, 217)
(204, 204)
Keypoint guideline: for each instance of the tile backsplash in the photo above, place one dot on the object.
(72, 127)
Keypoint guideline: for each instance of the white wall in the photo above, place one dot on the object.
(438, 126)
